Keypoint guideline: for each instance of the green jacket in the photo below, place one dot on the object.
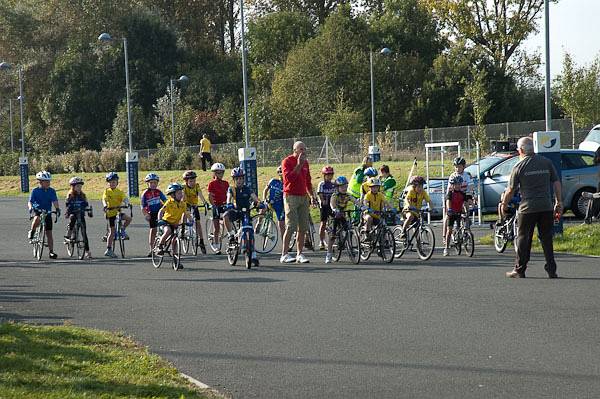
(389, 187)
(356, 181)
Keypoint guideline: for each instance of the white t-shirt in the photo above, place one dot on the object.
(467, 184)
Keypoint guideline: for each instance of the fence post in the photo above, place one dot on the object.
(507, 132)
(573, 133)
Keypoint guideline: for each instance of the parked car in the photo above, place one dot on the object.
(592, 140)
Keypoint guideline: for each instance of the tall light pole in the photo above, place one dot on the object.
(131, 158)
(373, 150)
(182, 80)
(10, 115)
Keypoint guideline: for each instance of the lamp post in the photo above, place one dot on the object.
(131, 158)
(374, 152)
(182, 80)
(548, 90)
(10, 116)
(23, 162)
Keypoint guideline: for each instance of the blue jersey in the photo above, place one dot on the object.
(76, 203)
(275, 191)
(153, 200)
(43, 199)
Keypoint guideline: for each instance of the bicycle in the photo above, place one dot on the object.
(381, 239)
(309, 239)
(347, 237)
(266, 232)
(189, 238)
(418, 232)
(39, 235)
(505, 231)
(119, 235)
(210, 232)
(462, 236)
(78, 237)
(244, 240)
(592, 209)
(173, 246)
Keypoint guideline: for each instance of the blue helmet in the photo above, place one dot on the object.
(237, 172)
(173, 187)
(371, 172)
(112, 176)
(151, 176)
(341, 180)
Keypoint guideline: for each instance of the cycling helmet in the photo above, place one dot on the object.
(459, 161)
(75, 180)
(173, 187)
(151, 176)
(237, 172)
(189, 174)
(456, 179)
(371, 172)
(112, 176)
(341, 180)
(43, 176)
(417, 180)
(279, 169)
(373, 181)
(327, 170)
(218, 167)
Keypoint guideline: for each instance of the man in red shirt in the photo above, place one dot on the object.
(297, 188)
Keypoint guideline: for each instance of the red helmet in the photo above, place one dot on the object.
(327, 170)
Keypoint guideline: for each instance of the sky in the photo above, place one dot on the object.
(573, 28)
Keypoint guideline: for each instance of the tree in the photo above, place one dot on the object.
(142, 129)
(343, 120)
(318, 10)
(476, 94)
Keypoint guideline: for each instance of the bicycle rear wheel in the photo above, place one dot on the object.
(266, 235)
(233, 250)
(500, 240)
(176, 252)
(425, 242)
(210, 235)
(353, 246)
(401, 243)
(156, 259)
(469, 243)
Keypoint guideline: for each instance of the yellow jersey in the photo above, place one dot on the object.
(204, 145)
(375, 201)
(414, 199)
(365, 188)
(113, 198)
(190, 194)
(173, 211)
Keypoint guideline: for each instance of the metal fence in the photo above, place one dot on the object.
(394, 145)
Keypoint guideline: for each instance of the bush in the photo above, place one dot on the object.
(9, 163)
(112, 159)
(185, 159)
(90, 161)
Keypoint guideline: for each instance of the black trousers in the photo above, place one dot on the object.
(71, 226)
(526, 227)
(205, 156)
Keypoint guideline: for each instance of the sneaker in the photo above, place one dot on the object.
(109, 252)
(300, 258)
(287, 258)
(52, 255)
(125, 236)
(214, 248)
(30, 235)
(328, 258)
(445, 252)
(515, 274)
(202, 247)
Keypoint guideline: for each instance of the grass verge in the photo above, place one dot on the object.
(71, 362)
(581, 239)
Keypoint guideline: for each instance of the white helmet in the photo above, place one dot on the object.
(75, 180)
(43, 176)
(218, 167)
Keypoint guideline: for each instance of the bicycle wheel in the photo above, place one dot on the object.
(266, 235)
(194, 239)
(500, 240)
(469, 243)
(310, 237)
(185, 240)
(119, 238)
(293, 241)
(425, 242)
(210, 235)
(338, 244)
(401, 243)
(366, 248)
(70, 245)
(247, 249)
(176, 252)
(156, 259)
(353, 246)
(79, 242)
(456, 242)
(387, 246)
(41, 241)
(233, 250)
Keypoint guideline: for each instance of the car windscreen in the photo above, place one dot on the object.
(594, 135)
(486, 163)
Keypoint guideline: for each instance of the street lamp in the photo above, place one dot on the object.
(23, 163)
(547, 89)
(10, 115)
(373, 150)
(131, 158)
(183, 80)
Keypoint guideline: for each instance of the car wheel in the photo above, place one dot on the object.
(579, 204)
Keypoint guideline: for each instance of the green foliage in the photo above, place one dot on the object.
(343, 120)
(476, 94)
(143, 131)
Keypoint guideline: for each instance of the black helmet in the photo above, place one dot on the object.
(459, 161)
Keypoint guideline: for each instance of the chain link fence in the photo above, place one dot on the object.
(394, 145)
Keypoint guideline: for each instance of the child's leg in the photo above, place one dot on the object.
(228, 224)
(127, 220)
(111, 237)
(35, 222)
(369, 222)
(165, 235)
(50, 240)
(322, 231)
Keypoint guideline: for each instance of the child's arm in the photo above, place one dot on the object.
(255, 198)
(229, 199)
(265, 193)
(201, 196)
(211, 198)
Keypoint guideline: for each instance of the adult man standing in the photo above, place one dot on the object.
(297, 187)
(535, 178)
(205, 156)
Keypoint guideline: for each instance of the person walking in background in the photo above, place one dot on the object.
(535, 178)
(205, 147)
(297, 188)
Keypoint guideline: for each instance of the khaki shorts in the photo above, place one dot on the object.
(297, 212)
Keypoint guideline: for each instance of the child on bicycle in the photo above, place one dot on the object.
(191, 193)
(339, 202)
(414, 201)
(112, 199)
(370, 173)
(374, 201)
(217, 196)
(77, 203)
(151, 202)
(273, 195)
(324, 191)
(513, 205)
(42, 198)
(455, 204)
(239, 197)
(172, 214)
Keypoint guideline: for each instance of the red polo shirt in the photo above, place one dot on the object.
(296, 183)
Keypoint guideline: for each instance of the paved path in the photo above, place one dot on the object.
(451, 327)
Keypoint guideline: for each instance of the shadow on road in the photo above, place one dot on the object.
(9, 295)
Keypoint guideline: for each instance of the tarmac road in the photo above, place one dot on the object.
(451, 327)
